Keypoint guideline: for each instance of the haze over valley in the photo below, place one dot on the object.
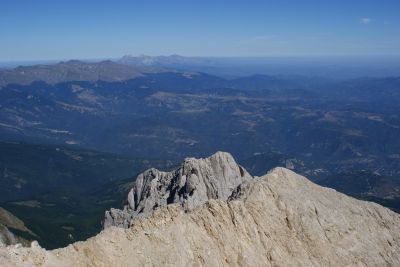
(336, 133)
(199, 134)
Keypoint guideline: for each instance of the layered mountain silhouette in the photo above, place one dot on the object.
(73, 70)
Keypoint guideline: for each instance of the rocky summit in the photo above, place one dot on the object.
(191, 185)
(211, 212)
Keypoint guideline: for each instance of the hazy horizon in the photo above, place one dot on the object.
(54, 30)
(277, 57)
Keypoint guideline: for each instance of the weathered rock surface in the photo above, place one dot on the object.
(191, 185)
(280, 219)
(8, 238)
(7, 221)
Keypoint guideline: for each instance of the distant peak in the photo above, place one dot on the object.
(176, 55)
(107, 62)
(72, 62)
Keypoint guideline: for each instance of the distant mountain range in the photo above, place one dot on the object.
(73, 70)
(169, 113)
(172, 60)
(338, 68)
(128, 67)
(342, 134)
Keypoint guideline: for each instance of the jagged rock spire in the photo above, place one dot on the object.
(192, 184)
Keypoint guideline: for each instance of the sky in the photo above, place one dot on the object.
(86, 29)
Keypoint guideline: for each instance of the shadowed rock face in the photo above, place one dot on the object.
(191, 185)
(8, 220)
(279, 219)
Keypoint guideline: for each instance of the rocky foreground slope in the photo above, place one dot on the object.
(7, 237)
(279, 219)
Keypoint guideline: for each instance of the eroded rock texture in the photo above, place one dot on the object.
(280, 219)
(191, 185)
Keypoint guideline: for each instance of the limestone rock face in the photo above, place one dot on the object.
(8, 238)
(280, 219)
(191, 185)
(8, 220)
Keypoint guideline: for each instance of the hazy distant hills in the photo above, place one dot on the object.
(173, 60)
(176, 113)
(342, 134)
(127, 67)
(73, 70)
(338, 68)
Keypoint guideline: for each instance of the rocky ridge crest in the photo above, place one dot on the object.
(279, 219)
(191, 185)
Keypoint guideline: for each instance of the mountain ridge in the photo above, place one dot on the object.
(279, 219)
(74, 70)
(191, 185)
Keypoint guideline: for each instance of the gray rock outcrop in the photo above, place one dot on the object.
(191, 185)
(9, 221)
(8, 238)
(279, 219)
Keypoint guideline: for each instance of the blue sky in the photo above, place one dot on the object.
(56, 29)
